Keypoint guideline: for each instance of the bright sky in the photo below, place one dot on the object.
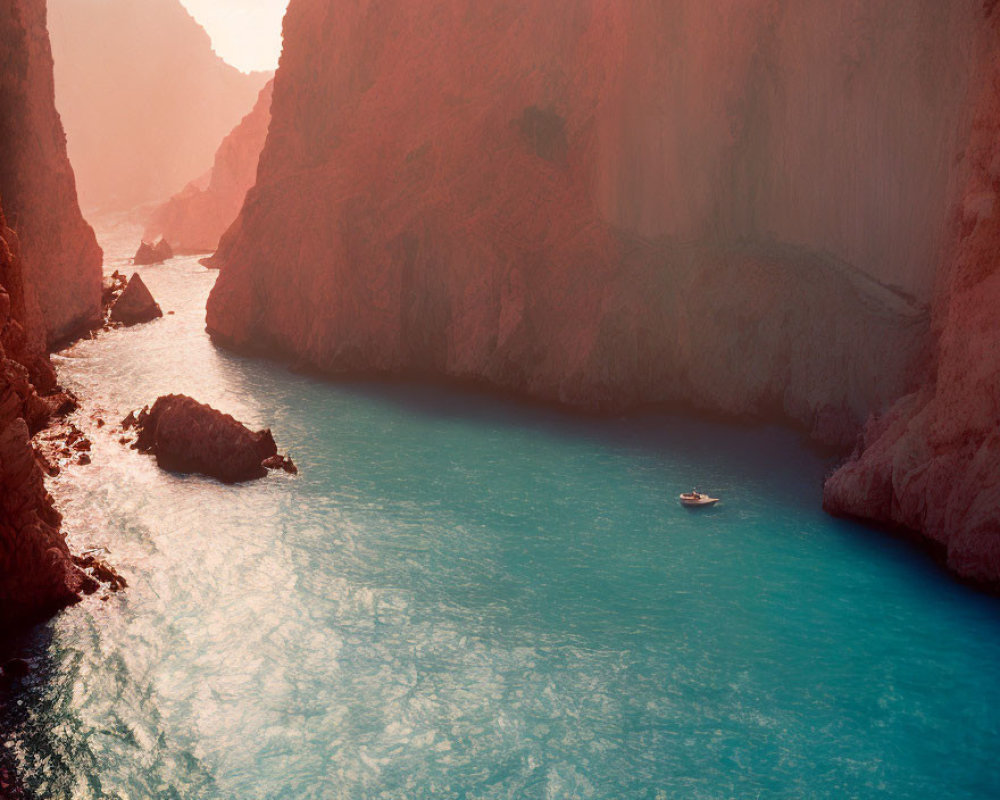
(246, 33)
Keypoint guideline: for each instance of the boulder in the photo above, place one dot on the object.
(163, 251)
(144, 255)
(135, 304)
(153, 253)
(191, 437)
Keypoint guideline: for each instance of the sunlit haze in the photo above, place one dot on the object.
(499, 399)
(246, 33)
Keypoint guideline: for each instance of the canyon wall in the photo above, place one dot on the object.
(144, 98)
(37, 574)
(733, 206)
(195, 219)
(932, 464)
(60, 289)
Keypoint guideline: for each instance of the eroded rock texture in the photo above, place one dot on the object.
(932, 464)
(59, 293)
(195, 219)
(145, 99)
(37, 574)
(736, 206)
(188, 436)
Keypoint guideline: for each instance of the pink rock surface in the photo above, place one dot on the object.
(932, 464)
(144, 97)
(37, 575)
(195, 219)
(59, 293)
(735, 206)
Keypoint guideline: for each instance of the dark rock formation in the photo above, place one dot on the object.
(187, 436)
(195, 219)
(58, 295)
(112, 288)
(932, 464)
(153, 253)
(282, 463)
(136, 304)
(144, 97)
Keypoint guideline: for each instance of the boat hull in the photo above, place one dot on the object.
(701, 503)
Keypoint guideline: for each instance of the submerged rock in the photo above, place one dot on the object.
(153, 253)
(135, 304)
(188, 436)
(281, 462)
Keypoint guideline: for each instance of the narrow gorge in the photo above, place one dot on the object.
(739, 209)
(550, 418)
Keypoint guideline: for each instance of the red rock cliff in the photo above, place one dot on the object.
(37, 575)
(61, 283)
(145, 99)
(932, 464)
(196, 218)
(734, 205)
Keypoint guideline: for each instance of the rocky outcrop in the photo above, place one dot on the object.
(58, 295)
(187, 436)
(145, 99)
(111, 288)
(153, 253)
(732, 206)
(195, 219)
(135, 305)
(931, 465)
(37, 574)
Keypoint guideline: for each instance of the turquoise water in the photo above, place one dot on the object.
(461, 597)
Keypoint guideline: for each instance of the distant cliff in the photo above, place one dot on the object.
(144, 98)
(59, 292)
(195, 219)
(932, 464)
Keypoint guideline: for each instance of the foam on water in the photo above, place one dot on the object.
(465, 598)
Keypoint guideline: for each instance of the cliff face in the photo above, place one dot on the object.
(37, 574)
(734, 205)
(195, 219)
(932, 464)
(58, 294)
(145, 99)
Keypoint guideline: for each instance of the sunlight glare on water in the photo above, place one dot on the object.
(462, 597)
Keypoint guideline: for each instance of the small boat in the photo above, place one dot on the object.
(696, 499)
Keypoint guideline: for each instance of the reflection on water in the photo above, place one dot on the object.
(464, 598)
